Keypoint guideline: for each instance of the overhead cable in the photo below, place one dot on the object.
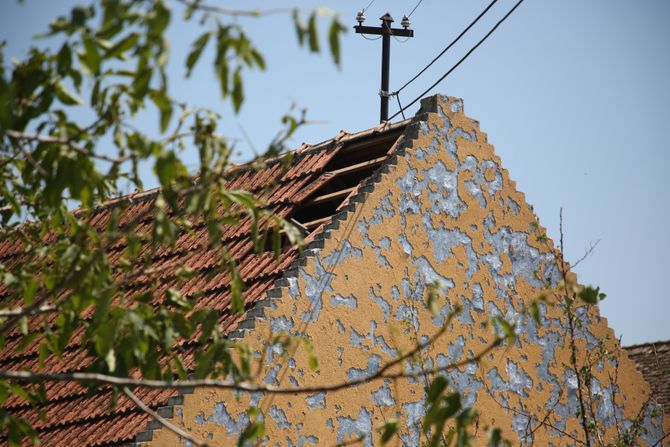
(459, 62)
(369, 4)
(448, 46)
(414, 9)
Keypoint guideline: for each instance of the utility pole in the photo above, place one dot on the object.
(386, 31)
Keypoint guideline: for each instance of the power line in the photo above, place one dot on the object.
(448, 46)
(459, 62)
(369, 4)
(412, 11)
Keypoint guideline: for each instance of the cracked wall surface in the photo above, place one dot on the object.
(443, 211)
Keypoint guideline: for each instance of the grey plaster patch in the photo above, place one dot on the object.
(521, 423)
(496, 382)
(477, 297)
(456, 106)
(441, 317)
(463, 381)
(317, 400)
(455, 349)
(409, 314)
(519, 381)
(346, 301)
(443, 196)
(444, 240)
(362, 225)
(281, 324)
(603, 398)
(430, 275)
(302, 441)
(380, 341)
(279, 416)
(382, 303)
(337, 256)
(395, 292)
(380, 258)
(415, 412)
(293, 289)
(348, 428)
(340, 326)
(271, 350)
(404, 243)
(356, 340)
(315, 286)
(271, 376)
(383, 396)
(373, 365)
(514, 206)
(221, 417)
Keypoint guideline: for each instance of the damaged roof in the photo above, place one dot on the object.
(653, 361)
(309, 191)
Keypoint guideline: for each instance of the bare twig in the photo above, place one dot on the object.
(50, 139)
(197, 5)
(161, 420)
(28, 311)
(589, 251)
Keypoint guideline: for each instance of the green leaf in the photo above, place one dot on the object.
(236, 288)
(64, 59)
(388, 430)
(196, 51)
(336, 28)
(29, 290)
(169, 168)
(160, 20)
(238, 91)
(313, 34)
(300, 28)
(90, 56)
(164, 105)
(123, 45)
(141, 83)
(591, 295)
(495, 438)
(66, 96)
(436, 388)
(252, 432)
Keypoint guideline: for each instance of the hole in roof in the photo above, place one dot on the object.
(352, 165)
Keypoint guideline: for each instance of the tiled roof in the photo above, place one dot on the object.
(653, 361)
(310, 190)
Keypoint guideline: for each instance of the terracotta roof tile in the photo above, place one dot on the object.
(653, 361)
(76, 417)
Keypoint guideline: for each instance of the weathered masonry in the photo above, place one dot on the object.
(439, 209)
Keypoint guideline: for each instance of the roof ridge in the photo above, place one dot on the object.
(304, 149)
(663, 343)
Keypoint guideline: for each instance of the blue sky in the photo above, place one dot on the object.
(573, 94)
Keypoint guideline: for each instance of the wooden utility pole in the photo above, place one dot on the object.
(386, 31)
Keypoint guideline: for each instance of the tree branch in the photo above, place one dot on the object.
(34, 377)
(27, 311)
(197, 5)
(161, 420)
(50, 139)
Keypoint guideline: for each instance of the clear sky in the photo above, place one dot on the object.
(573, 94)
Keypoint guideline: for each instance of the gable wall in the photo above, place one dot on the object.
(444, 211)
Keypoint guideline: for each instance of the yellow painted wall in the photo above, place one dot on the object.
(445, 211)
